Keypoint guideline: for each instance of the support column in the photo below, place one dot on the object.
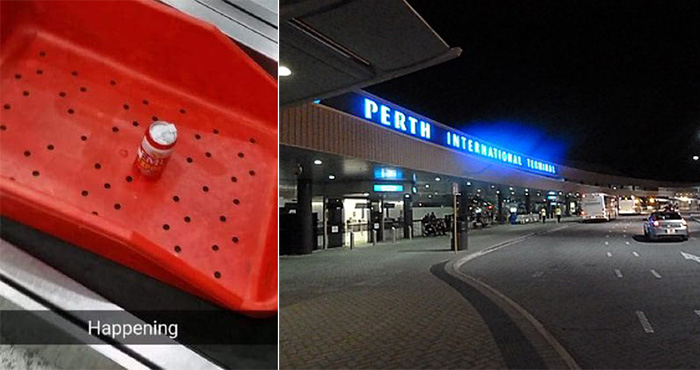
(304, 210)
(499, 197)
(380, 233)
(527, 203)
(407, 214)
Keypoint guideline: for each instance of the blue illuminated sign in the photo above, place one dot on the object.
(388, 188)
(396, 119)
(402, 120)
(384, 173)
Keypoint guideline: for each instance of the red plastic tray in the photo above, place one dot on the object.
(80, 83)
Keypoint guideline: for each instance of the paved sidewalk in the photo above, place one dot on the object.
(381, 307)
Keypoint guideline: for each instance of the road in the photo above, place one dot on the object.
(612, 299)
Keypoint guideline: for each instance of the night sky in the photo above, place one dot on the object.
(612, 86)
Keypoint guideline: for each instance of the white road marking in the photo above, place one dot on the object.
(656, 274)
(618, 273)
(635, 254)
(645, 322)
(538, 274)
(609, 254)
(689, 256)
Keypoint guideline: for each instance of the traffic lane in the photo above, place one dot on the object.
(567, 281)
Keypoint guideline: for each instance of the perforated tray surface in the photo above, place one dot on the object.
(81, 81)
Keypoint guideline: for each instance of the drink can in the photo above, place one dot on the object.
(156, 148)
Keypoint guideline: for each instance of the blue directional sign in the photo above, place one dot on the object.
(399, 119)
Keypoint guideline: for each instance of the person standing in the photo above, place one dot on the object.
(543, 214)
(557, 212)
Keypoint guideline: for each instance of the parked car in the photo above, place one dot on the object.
(666, 224)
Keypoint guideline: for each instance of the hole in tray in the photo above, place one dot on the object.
(208, 154)
(7, 106)
(39, 72)
(129, 179)
(83, 89)
(234, 179)
(177, 249)
(154, 118)
(84, 193)
(215, 131)
(107, 185)
(144, 101)
(62, 94)
(183, 111)
(217, 274)
(236, 202)
(50, 147)
(18, 76)
(252, 140)
(112, 82)
(115, 129)
(83, 138)
(235, 239)
(42, 53)
(241, 155)
(187, 219)
(3, 127)
(35, 173)
(205, 188)
(135, 124)
(95, 213)
(215, 247)
(176, 198)
(117, 206)
(27, 153)
(222, 218)
(126, 106)
(251, 172)
(74, 73)
(197, 136)
(166, 227)
(25, 93)
(71, 111)
(189, 160)
(98, 166)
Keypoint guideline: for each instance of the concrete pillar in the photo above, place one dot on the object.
(407, 215)
(306, 232)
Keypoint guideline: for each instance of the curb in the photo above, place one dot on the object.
(549, 349)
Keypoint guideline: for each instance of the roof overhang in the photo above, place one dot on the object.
(333, 47)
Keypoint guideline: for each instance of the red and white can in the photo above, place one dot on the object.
(156, 148)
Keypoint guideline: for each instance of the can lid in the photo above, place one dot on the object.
(163, 134)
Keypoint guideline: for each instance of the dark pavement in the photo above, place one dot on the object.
(609, 297)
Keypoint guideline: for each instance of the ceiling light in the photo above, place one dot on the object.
(427, 186)
(331, 177)
(695, 157)
(469, 183)
(437, 179)
(365, 194)
(318, 161)
(284, 71)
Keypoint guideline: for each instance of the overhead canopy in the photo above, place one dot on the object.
(333, 47)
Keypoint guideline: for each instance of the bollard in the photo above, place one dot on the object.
(352, 240)
(410, 232)
(393, 234)
(374, 237)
